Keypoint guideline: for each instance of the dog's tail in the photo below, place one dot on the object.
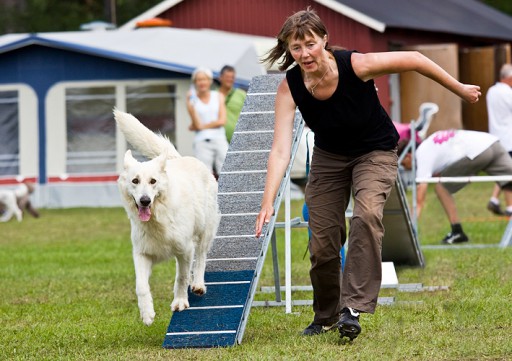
(150, 144)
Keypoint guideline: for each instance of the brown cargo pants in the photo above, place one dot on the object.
(370, 177)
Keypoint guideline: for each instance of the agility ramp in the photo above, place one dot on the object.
(236, 258)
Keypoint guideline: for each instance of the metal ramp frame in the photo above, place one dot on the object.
(506, 239)
(400, 245)
(234, 263)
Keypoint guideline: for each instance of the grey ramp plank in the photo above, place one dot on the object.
(251, 142)
(239, 225)
(265, 83)
(245, 161)
(213, 265)
(231, 203)
(242, 182)
(235, 247)
(254, 122)
(259, 103)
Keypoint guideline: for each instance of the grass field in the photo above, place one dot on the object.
(67, 293)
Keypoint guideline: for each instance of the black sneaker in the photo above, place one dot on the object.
(451, 238)
(349, 326)
(316, 329)
(495, 208)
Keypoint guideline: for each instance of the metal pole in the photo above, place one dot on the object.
(470, 179)
(412, 142)
(275, 263)
(287, 252)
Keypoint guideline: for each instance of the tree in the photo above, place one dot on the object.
(502, 5)
(27, 16)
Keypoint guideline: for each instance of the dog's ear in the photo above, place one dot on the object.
(162, 161)
(128, 159)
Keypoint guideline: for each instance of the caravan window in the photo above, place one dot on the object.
(91, 141)
(9, 133)
(154, 105)
(91, 130)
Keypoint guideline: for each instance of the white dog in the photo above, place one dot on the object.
(13, 201)
(171, 202)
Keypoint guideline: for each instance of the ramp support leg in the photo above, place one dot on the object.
(275, 263)
(287, 247)
(506, 240)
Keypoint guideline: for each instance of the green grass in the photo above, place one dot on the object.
(67, 293)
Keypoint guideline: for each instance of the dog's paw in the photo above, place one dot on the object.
(147, 317)
(179, 304)
(198, 289)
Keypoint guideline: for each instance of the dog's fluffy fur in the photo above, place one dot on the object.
(171, 202)
(13, 202)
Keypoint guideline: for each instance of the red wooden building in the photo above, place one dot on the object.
(466, 37)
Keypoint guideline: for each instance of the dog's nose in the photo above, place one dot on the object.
(145, 201)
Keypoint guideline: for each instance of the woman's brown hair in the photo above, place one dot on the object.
(297, 26)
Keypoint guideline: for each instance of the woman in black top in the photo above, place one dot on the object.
(355, 151)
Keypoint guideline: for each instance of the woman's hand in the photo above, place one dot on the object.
(263, 218)
(470, 93)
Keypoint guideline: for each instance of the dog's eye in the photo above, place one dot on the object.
(135, 181)
(152, 181)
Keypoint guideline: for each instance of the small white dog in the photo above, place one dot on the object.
(14, 201)
(171, 202)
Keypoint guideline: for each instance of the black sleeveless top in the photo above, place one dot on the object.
(352, 121)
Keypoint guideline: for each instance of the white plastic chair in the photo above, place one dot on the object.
(427, 112)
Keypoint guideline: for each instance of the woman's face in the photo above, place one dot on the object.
(308, 52)
(202, 82)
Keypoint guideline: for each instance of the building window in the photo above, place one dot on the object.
(91, 142)
(9, 133)
(91, 130)
(154, 105)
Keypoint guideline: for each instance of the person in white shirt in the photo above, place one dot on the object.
(207, 111)
(459, 153)
(499, 109)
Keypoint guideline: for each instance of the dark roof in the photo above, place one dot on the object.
(462, 17)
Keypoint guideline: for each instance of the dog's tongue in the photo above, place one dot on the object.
(144, 214)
